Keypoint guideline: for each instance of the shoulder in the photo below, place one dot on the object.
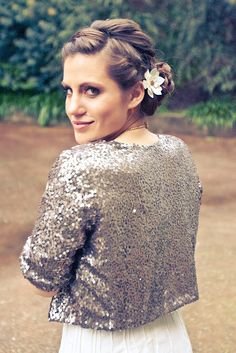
(181, 153)
(176, 141)
(69, 179)
(60, 164)
(176, 146)
(80, 161)
(72, 156)
(187, 158)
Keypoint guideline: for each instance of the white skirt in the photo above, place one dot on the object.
(167, 334)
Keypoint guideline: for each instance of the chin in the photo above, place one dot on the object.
(81, 140)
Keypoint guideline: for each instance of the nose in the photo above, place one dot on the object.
(75, 106)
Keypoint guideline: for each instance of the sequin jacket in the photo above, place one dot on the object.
(116, 233)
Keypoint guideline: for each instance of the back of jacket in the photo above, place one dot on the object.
(116, 233)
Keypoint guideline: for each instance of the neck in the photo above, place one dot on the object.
(129, 125)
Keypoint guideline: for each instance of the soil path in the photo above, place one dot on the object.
(27, 152)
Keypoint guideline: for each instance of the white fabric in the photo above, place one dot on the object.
(167, 334)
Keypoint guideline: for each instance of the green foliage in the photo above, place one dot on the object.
(31, 35)
(216, 113)
(196, 37)
(45, 108)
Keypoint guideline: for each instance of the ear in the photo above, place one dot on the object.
(136, 95)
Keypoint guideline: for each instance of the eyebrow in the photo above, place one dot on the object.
(83, 84)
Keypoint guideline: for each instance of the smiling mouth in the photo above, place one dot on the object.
(81, 124)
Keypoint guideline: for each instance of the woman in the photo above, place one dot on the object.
(115, 238)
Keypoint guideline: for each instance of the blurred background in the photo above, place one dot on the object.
(198, 39)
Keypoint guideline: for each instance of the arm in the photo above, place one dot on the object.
(66, 212)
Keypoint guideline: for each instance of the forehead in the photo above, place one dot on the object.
(82, 67)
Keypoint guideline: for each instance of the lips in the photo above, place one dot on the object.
(81, 125)
(82, 122)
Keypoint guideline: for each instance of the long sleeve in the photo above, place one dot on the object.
(66, 215)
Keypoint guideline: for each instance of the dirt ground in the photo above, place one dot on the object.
(27, 153)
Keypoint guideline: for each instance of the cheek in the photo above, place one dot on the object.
(101, 107)
(110, 106)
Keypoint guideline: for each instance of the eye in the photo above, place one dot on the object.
(67, 90)
(92, 91)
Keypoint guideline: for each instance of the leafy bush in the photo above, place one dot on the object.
(216, 113)
(45, 108)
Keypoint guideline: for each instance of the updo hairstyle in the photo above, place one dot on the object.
(130, 53)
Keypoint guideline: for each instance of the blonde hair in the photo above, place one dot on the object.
(130, 53)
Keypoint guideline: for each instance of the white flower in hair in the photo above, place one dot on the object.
(153, 82)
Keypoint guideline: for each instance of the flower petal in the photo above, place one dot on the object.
(145, 85)
(147, 75)
(157, 90)
(150, 93)
(154, 72)
(159, 80)
(149, 86)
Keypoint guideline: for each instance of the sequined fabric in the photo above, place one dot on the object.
(116, 233)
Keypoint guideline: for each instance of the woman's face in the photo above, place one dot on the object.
(95, 104)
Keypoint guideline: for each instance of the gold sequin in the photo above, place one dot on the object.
(116, 233)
